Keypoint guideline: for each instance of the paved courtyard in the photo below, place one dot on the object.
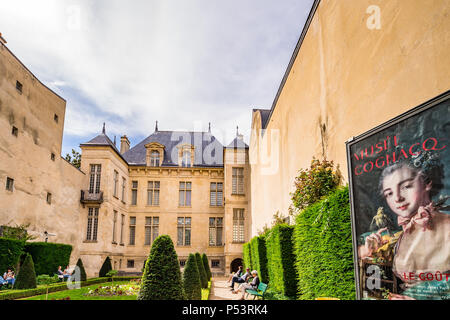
(220, 290)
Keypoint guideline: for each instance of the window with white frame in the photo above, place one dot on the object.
(238, 226)
(154, 158)
(215, 231)
(95, 175)
(151, 229)
(186, 158)
(92, 224)
(185, 194)
(153, 193)
(238, 181)
(216, 194)
(184, 231)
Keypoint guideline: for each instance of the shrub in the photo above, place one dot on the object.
(162, 278)
(314, 183)
(106, 267)
(282, 273)
(48, 256)
(247, 254)
(323, 249)
(46, 279)
(206, 265)
(201, 271)
(191, 279)
(79, 273)
(26, 279)
(259, 257)
(10, 252)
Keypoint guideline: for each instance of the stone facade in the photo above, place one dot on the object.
(345, 77)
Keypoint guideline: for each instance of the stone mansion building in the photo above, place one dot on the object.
(184, 184)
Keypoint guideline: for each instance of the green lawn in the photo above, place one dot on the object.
(77, 294)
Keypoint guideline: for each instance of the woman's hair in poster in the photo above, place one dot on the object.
(426, 164)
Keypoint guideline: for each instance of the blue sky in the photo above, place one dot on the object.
(130, 63)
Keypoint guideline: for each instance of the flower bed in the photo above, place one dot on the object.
(131, 289)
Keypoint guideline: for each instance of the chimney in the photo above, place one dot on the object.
(124, 144)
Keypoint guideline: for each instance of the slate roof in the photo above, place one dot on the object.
(237, 144)
(265, 113)
(101, 140)
(208, 150)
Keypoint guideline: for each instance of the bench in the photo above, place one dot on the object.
(259, 292)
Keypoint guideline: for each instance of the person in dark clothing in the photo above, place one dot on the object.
(240, 279)
(252, 285)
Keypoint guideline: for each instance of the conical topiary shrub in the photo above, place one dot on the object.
(201, 270)
(162, 277)
(79, 273)
(191, 279)
(106, 267)
(206, 265)
(26, 279)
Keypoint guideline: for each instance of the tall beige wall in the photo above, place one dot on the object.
(26, 158)
(345, 80)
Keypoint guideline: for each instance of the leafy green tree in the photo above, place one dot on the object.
(191, 279)
(312, 184)
(82, 273)
(74, 159)
(206, 265)
(26, 279)
(18, 232)
(201, 270)
(162, 277)
(106, 267)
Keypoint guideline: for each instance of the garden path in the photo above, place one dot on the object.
(220, 289)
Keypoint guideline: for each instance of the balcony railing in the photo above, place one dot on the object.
(91, 198)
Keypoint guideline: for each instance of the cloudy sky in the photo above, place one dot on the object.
(182, 62)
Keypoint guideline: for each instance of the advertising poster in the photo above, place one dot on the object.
(399, 177)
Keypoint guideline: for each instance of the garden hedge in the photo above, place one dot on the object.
(191, 279)
(206, 265)
(247, 255)
(162, 277)
(26, 279)
(259, 257)
(47, 257)
(10, 252)
(201, 270)
(323, 249)
(106, 267)
(281, 259)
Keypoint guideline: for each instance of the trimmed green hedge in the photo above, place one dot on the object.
(281, 259)
(247, 254)
(259, 257)
(191, 279)
(18, 294)
(48, 256)
(10, 252)
(26, 279)
(323, 248)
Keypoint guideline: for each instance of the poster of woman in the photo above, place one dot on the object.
(400, 189)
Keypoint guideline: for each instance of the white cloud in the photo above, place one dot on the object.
(131, 63)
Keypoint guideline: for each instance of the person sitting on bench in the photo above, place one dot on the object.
(252, 285)
(240, 279)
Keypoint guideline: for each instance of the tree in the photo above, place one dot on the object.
(19, 232)
(162, 277)
(82, 273)
(191, 279)
(201, 270)
(26, 279)
(206, 265)
(75, 159)
(106, 267)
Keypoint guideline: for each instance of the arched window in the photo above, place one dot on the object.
(186, 159)
(154, 158)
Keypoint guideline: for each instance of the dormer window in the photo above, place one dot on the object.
(154, 158)
(186, 159)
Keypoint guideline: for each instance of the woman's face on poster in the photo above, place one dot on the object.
(405, 191)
